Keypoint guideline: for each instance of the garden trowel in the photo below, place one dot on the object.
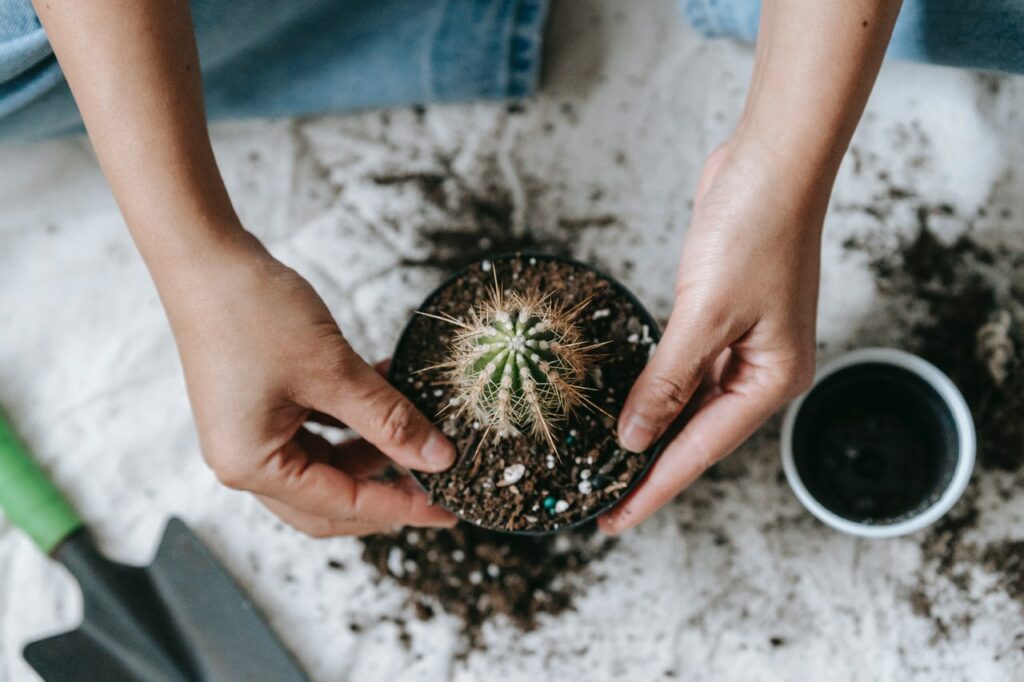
(182, 618)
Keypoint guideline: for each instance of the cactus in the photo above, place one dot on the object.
(517, 363)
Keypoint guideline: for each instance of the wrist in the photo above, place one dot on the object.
(197, 271)
(794, 178)
(188, 243)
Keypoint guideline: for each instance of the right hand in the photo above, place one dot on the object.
(262, 354)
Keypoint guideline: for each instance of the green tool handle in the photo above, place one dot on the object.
(29, 499)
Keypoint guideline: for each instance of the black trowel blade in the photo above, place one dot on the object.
(224, 631)
(182, 618)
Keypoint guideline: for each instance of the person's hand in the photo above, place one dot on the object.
(262, 356)
(740, 341)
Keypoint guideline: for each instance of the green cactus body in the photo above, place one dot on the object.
(521, 363)
(517, 364)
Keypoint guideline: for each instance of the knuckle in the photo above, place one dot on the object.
(231, 473)
(319, 529)
(397, 422)
(667, 394)
(339, 361)
(702, 456)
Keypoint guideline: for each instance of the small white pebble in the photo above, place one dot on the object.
(603, 312)
(533, 261)
(493, 570)
(395, 562)
(573, 433)
(633, 338)
(561, 506)
(585, 474)
(586, 487)
(458, 556)
(486, 266)
(476, 577)
(438, 392)
(413, 537)
(513, 474)
(410, 566)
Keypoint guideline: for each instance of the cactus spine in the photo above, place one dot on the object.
(517, 363)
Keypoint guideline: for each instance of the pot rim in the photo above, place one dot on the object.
(951, 398)
(646, 317)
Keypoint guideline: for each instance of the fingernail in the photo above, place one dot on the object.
(637, 434)
(438, 451)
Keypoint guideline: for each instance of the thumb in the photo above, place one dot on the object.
(360, 397)
(686, 352)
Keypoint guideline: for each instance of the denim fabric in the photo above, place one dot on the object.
(979, 34)
(273, 58)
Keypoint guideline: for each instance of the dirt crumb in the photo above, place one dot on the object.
(962, 300)
(477, 574)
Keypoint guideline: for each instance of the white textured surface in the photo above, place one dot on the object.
(89, 373)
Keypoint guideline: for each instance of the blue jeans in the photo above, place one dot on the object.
(293, 57)
(977, 34)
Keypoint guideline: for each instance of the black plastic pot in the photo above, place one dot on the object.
(401, 350)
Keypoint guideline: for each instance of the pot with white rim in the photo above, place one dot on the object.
(881, 446)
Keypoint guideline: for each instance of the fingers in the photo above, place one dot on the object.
(318, 417)
(315, 487)
(716, 429)
(361, 398)
(667, 383)
(357, 457)
(318, 526)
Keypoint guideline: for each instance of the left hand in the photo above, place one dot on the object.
(740, 341)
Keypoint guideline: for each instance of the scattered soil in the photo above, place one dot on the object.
(972, 327)
(589, 472)
(480, 218)
(476, 574)
(973, 330)
(1007, 559)
(539, 575)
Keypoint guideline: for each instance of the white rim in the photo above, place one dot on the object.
(965, 436)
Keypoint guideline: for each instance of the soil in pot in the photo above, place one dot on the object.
(875, 443)
(517, 483)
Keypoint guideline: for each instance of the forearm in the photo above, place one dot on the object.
(134, 71)
(815, 65)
